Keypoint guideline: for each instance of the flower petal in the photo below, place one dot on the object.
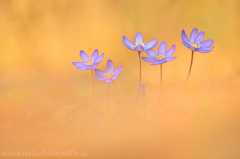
(194, 34)
(138, 38)
(83, 68)
(162, 47)
(127, 46)
(83, 55)
(79, 64)
(207, 43)
(169, 59)
(99, 78)
(139, 48)
(204, 51)
(107, 81)
(100, 73)
(115, 77)
(110, 66)
(158, 62)
(186, 44)
(184, 37)
(95, 54)
(129, 43)
(149, 59)
(118, 70)
(200, 37)
(151, 53)
(150, 45)
(170, 51)
(93, 66)
(99, 59)
(206, 48)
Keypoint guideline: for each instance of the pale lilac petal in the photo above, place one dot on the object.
(110, 66)
(107, 81)
(79, 64)
(186, 44)
(132, 48)
(184, 37)
(169, 59)
(100, 73)
(115, 77)
(206, 48)
(139, 48)
(200, 37)
(162, 47)
(151, 53)
(158, 62)
(95, 54)
(204, 51)
(83, 55)
(118, 70)
(99, 59)
(149, 59)
(150, 45)
(170, 51)
(138, 38)
(93, 66)
(194, 34)
(83, 68)
(99, 78)
(207, 43)
(129, 43)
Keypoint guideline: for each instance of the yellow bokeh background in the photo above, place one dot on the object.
(41, 38)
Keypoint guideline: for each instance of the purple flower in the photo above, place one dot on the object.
(110, 75)
(88, 62)
(142, 92)
(162, 56)
(139, 45)
(196, 43)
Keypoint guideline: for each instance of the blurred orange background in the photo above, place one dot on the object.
(41, 91)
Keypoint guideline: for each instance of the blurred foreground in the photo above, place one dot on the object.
(45, 101)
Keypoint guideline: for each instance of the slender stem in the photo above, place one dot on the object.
(160, 92)
(181, 88)
(139, 52)
(92, 107)
(117, 89)
(108, 97)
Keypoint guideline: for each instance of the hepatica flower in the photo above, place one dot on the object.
(110, 75)
(139, 44)
(162, 56)
(88, 62)
(196, 42)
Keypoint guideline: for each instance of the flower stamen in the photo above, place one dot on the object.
(161, 56)
(108, 75)
(141, 43)
(194, 45)
(89, 62)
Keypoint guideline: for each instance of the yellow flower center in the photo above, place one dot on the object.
(160, 56)
(89, 62)
(108, 75)
(194, 45)
(141, 43)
